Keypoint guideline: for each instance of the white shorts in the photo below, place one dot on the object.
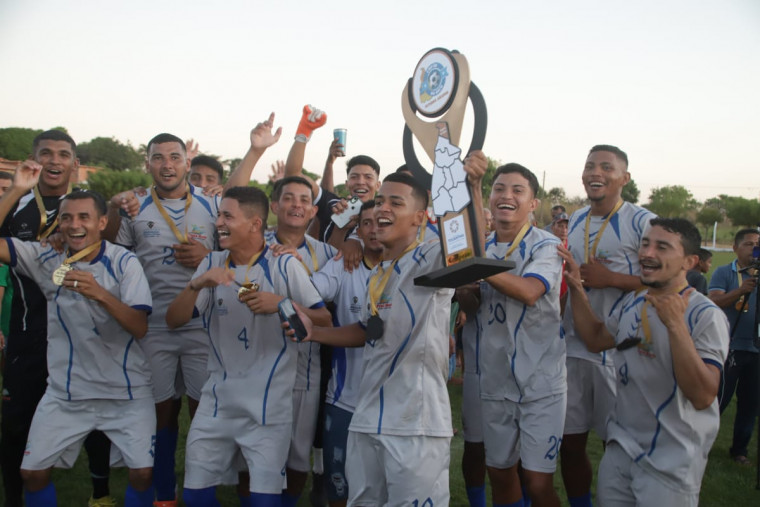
(472, 417)
(393, 471)
(168, 351)
(529, 431)
(59, 428)
(623, 482)
(305, 411)
(214, 446)
(590, 396)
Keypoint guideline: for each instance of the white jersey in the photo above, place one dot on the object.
(151, 238)
(89, 355)
(314, 255)
(403, 388)
(522, 353)
(349, 293)
(618, 250)
(653, 421)
(252, 364)
(472, 334)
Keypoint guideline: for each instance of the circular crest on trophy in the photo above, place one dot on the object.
(434, 83)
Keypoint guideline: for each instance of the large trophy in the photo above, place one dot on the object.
(439, 90)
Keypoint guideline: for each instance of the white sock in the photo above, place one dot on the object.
(317, 467)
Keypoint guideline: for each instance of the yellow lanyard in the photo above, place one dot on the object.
(518, 239)
(82, 253)
(182, 238)
(598, 234)
(42, 232)
(251, 262)
(423, 229)
(379, 280)
(740, 303)
(645, 318)
(313, 259)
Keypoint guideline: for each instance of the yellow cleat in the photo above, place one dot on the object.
(103, 501)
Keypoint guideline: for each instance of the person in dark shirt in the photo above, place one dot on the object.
(695, 276)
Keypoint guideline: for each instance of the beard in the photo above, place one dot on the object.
(653, 284)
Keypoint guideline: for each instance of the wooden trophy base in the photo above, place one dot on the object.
(462, 273)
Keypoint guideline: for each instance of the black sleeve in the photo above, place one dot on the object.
(324, 212)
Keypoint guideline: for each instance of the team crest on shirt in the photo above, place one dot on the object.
(221, 308)
(603, 256)
(197, 232)
(646, 350)
(150, 232)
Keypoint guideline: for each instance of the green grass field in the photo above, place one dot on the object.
(725, 483)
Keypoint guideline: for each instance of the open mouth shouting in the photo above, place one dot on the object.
(649, 267)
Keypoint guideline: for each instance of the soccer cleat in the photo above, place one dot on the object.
(165, 503)
(103, 501)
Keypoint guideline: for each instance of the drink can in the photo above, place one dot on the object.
(340, 135)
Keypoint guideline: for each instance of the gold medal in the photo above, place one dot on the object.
(247, 287)
(60, 273)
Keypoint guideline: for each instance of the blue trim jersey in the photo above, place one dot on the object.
(618, 251)
(348, 290)
(252, 364)
(151, 238)
(403, 388)
(725, 279)
(652, 420)
(90, 356)
(313, 253)
(522, 356)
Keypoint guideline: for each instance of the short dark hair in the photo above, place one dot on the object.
(404, 169)
(691, 239)
(612, 149)
(704, 254)
(523, 171)
(363, 160)
(165, 138)
(280, 184)
(209, 162)
(5, 175)
(739, 237)
(367, 205)
(54, 135)
(97, 199)
(418, 190)
(559, 207)
(252, 198)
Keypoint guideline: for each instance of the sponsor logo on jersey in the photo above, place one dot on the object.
(198, 233)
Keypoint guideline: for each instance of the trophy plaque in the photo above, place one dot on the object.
(439, 89)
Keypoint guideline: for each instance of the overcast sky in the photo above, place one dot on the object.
(676, 84)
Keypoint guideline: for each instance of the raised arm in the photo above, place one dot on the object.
(311, 119)
(327, 182)
(27, 175)
(261, 139)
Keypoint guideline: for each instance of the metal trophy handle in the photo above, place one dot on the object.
(440, 88)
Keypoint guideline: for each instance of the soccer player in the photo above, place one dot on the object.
(98, 301)
(348, 290)
(246, 403)
(522, 356)
(398, 442)
(39, 184)
(672, 343)
(292, 202)
(173, 231)
(205, 172)
(733, 288)
(604, 239)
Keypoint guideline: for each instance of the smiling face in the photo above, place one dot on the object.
(235, 224)
(80, 223)
(362, 182)
(662, 259)
(168, 165)
(58, 162)
(604, 177)
(294, 208)
(512, 200)
(398, 214)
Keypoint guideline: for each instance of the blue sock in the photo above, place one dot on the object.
(477, 495)
(288, 500)
(580, 501)
(264, 500)
(134, 498)
(42, 498)
(163, 464)
(245, 501)
(526, 498)
(518, 503)
(205, 497)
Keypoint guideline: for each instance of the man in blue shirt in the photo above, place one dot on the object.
(732, 288)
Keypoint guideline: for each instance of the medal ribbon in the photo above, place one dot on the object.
(82, 253)
(423, 228)
(251, 262)
(313, 259)
(741, 303)
(42, 232)
(517, 240)
(598, 234)
(645, 318)
(380, 279)
(182, 238)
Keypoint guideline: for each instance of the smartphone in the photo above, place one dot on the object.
(354, 207)
(288, 314)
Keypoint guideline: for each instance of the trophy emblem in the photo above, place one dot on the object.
(440, 89)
